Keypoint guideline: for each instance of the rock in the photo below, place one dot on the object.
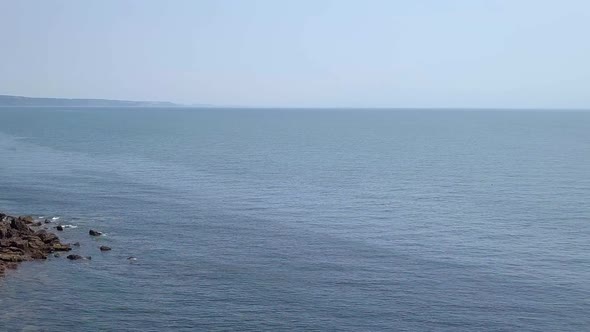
(12, 258)
(76, 244)
(59, 228)
(19, 242)
(74, 257)
(35, 243)
(61, 247)
(94, 233)
(27, 219)
(104, 248)
(47, 237)
(10, 249)
(20, 226)
(131, 258)
(38, 255)
(47, 221)
(37, 224)
(56, 255)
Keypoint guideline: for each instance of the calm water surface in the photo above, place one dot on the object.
(340, 220)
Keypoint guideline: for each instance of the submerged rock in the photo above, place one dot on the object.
(104, 248)
(94, 233)
(75, 257)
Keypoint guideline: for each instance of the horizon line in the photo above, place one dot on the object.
(179, 106)
(214, 106)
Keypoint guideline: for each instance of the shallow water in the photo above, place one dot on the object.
(302, 219)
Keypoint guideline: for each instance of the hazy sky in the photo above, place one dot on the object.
(439, 53)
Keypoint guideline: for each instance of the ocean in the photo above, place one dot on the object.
(301, 220)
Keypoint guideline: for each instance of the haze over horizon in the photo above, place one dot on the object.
(427, 54)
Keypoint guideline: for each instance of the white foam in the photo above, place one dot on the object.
(55, 218)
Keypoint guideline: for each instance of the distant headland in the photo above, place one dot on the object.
(18, 101)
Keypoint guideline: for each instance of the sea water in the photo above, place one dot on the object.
(332, 220)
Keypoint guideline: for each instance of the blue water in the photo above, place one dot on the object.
(340, 220)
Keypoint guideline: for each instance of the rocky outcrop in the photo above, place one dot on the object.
(20, 241)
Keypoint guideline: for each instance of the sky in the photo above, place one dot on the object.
(301, 53)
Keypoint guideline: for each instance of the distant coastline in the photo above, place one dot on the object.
(20, 101)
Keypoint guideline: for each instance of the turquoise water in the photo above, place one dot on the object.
(351, 220)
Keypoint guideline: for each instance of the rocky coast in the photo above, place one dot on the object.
(23, 239)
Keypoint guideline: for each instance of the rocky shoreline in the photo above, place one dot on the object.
(22, 239)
